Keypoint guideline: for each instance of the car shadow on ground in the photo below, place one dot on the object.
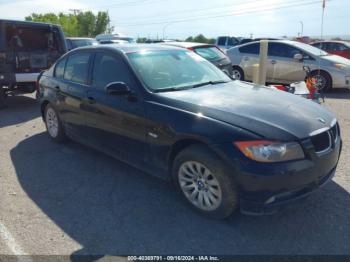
(111, 208)
(17, 110)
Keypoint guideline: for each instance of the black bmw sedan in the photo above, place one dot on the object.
(226, 144)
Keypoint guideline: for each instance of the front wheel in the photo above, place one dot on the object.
(204, 181)
(323, 80)
(53, 124)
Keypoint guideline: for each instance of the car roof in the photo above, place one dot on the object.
(28, 23)
(270, 41)
(186, 44)
(130, 48)
(331, 41)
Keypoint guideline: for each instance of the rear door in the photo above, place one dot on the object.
(72, 91)
(249, 58)
(116, 123)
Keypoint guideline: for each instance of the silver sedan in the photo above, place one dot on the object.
(285, 63)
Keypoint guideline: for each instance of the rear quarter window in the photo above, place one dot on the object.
(59, 69)
(77, 66)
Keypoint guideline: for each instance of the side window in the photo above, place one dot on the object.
(69, 44)
(251, 49)
(327, 46)
(340, 47)
(318, 45)
(108, 69)
(276, 49)
(59, 69)
(283, 50)
(77, 68)
(232, 41)
(222, 41)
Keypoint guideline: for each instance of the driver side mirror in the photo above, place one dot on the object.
(118, 89)
(298, 57)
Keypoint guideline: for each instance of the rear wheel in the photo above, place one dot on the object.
(323, 80)
(237, 73)
(203, 179)
(53, 124)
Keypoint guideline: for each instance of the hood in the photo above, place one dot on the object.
(269, 113)
(337, 59)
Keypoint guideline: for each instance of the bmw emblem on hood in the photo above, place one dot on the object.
(320, 119)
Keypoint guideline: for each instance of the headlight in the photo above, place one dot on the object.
(270, 151)
(340, 66)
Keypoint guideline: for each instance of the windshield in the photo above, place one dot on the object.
(310, 49)
(210, 53)
(175, 69)
(83, 42)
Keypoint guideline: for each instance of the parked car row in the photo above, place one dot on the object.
(285, 63)
(26, 48)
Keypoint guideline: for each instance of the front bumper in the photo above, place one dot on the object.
(278, 201)
(265, 188)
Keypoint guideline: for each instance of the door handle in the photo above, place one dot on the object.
(273, 62)
(57, 88)
(91, 100)
(246, 58)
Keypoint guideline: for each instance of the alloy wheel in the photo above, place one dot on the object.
(200, 185)
(52, 122)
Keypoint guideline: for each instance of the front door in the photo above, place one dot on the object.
(282, 67)
(116, 123)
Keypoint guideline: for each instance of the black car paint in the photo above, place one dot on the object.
(147, 129)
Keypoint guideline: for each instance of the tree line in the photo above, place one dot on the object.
(87, 24)
(82, 24)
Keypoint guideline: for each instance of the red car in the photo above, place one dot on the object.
(341, 48)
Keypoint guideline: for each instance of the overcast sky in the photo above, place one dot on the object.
(182, 18)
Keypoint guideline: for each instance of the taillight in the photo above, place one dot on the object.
(190, 48)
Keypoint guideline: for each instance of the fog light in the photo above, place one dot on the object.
(2, 77)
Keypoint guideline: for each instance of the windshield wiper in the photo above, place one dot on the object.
(171, 89)
(209, 83)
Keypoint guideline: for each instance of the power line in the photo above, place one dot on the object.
(127, 4)
(221, 15)
(204, 9)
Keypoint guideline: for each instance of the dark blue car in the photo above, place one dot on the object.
(226, 144)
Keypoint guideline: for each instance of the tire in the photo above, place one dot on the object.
(213, 190)
(325, 78)
(237, 73)
(53, 124)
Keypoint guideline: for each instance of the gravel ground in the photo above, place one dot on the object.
(69, 199)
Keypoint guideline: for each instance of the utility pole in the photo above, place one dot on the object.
(164, 27)
(302, 28)
(75, 11)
